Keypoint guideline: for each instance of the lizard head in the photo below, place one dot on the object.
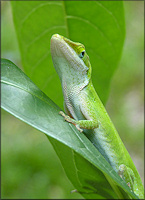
(70, 58)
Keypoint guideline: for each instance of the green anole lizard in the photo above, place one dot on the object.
(85, 110)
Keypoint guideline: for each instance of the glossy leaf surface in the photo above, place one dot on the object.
(99, 25)
(22, 98)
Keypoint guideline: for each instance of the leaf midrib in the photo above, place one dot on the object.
(16, 86)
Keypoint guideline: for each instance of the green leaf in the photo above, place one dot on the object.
(99, 25)
(22, 98)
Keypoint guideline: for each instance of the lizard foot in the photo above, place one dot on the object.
(70, 120)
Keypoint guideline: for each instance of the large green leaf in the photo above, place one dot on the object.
(22, 98)
(99, 25)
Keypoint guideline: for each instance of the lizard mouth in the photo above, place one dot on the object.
(56, 38)
(60, 48)
(62, 51)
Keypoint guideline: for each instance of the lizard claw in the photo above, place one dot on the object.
(70, 120)
(79, 129)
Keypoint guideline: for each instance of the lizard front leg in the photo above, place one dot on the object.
(80, 124)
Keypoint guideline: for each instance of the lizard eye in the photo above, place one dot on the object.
(81, 55)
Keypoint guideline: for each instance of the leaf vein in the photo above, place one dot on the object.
(110, 13)
(42, 34)
(39, 61)
(91, 24)
(16, 86)
(36, 8)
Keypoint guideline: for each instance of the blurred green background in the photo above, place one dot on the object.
(29, 166)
